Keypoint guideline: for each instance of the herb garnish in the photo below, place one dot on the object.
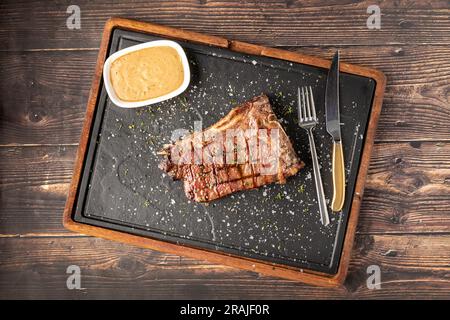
(279, 196)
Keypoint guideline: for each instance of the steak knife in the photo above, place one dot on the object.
(334, 129)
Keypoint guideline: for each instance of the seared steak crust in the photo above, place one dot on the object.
(212, 168)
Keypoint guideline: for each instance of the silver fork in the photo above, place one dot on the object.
(307, 120)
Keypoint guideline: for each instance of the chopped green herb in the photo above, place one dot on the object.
(151, 141)
(288, 110)
(183, 101)
(301, 189)
(146, 203)
(279, 196)
(131, 126)
(184, 104)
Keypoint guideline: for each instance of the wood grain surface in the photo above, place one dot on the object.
(47, 70)
(412, 265)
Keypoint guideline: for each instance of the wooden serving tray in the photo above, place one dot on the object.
(287, 239)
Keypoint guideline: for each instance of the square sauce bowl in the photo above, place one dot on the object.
(134, 104)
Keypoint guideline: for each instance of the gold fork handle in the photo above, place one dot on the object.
(338, 177)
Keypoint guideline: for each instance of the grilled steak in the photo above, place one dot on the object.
(246, 149)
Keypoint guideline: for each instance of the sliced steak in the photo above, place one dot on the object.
(246, 149)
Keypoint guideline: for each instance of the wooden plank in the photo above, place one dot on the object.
(42, 25)
(407, 191)
(34, 182)
(417, 262)
(411, 267)
(55, 86)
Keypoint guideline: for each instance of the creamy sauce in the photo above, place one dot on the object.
(147, 73)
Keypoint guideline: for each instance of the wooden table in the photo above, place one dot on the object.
(46, 72)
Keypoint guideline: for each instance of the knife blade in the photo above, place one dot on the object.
(334, 129)
(332, 100)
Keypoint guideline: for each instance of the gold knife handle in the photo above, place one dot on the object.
(338, 177)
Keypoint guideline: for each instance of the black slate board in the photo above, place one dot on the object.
(123, 189)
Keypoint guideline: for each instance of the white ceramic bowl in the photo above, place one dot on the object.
(134, 104)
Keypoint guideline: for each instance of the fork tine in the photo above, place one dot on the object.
(308, 107)
(305, 116)
(299, 105)
(313, 107)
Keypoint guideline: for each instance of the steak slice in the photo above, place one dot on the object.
(246, 149)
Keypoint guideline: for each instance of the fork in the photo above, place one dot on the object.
(307, 120)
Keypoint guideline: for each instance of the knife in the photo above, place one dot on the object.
(334, 129)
